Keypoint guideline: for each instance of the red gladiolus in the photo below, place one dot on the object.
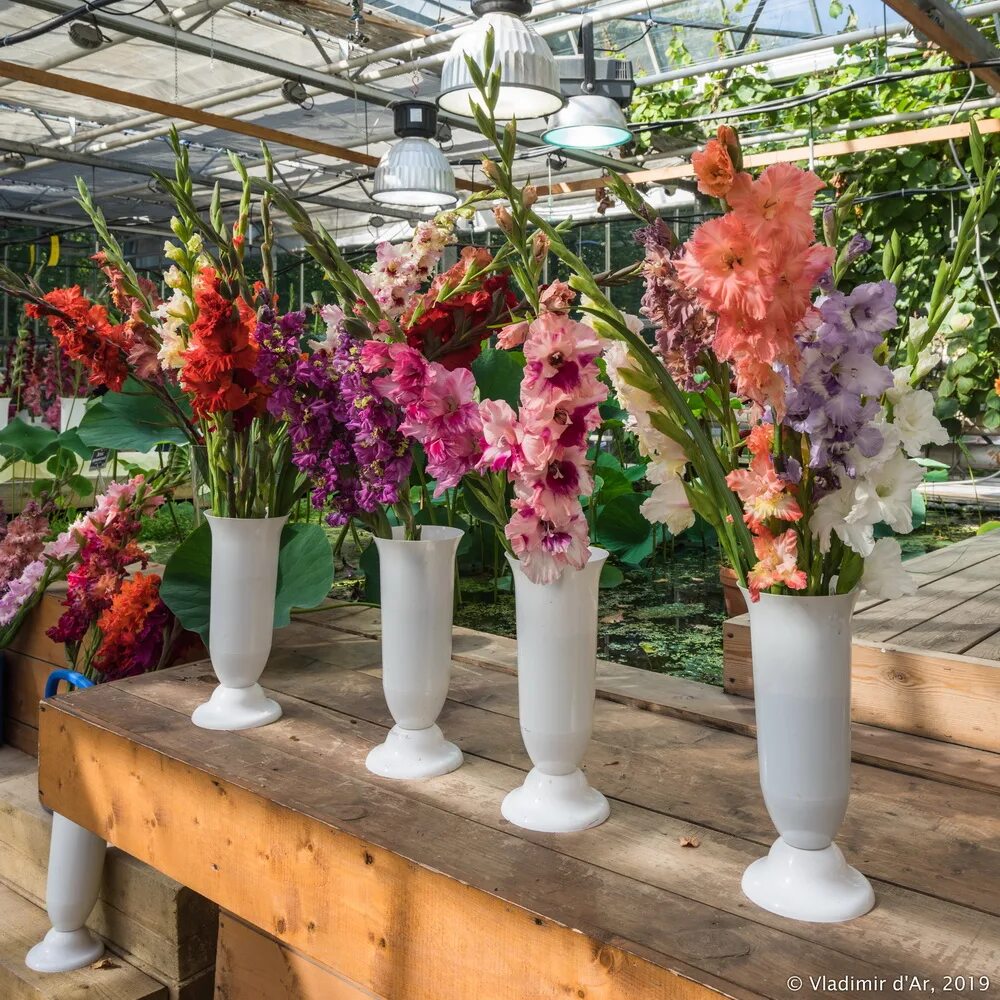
(218, 369)
(86, 335)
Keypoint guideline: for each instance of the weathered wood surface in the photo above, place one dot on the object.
(22, 925)
(421, 890)
(926, 664)
(252, 965)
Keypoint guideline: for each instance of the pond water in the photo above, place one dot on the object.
(669, 617)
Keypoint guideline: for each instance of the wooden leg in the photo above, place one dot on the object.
(76, 863)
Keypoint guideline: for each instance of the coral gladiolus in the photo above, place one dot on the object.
(714, 169)
(777, 207)
(777, 563)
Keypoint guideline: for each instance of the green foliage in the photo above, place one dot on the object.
(130, 420)
(919, 192)
(498, 374)
(305, 574)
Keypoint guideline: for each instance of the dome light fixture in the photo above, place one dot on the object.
(529, 76)
(414, 172)
(598, 90)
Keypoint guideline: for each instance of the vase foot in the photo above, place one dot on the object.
(64, 951)
(236, 708)
(817, 886)
(408, 754)
(555, 803)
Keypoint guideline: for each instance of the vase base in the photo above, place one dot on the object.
(230, 709)
(408, 754)
(555, 803)
(815, 886)
(64, 951)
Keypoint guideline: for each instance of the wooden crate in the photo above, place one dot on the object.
(927, 664)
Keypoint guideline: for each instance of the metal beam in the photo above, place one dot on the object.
(124, 166)
(281, 69)
(947, 27)
(65, 220)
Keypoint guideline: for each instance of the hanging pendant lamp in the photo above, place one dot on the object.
(529, 76)
(414, 172)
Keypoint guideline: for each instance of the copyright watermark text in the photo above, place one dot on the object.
(904, 983)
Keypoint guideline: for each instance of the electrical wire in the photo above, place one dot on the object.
(27, 34)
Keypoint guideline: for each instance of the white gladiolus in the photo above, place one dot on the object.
(886, 495)
(884, 576)
(668, 504)
(913, 416)
(832, 515)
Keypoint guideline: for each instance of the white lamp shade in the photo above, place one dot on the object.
(414, 173)
(589, 121)
(529, 75)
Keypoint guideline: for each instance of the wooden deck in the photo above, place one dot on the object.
(927, 664)
(421, 891)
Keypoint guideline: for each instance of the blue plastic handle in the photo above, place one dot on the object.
(71, 677)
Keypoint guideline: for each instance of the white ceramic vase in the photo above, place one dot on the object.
(76, 863)
(71, 410)
(556, 681)
(802, 694)
(244, 580)
(4, 411)
(417, 586)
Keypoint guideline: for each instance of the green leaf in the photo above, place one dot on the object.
(988, 526)
(836, 8)
(131, 420)
(26, 441)
(611, 577)
(623, 530)
(305, 573)
(965, 363)
(498, 375)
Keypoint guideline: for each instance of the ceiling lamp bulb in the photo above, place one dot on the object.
(529, 76)
(589, 121)
(414, 173)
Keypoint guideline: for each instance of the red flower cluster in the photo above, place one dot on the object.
(218, 369)
(451, 330)
(133, 629)
(86, 334)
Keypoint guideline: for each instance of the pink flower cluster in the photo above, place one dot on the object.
(439, 407)
(399, 271)
(543, 449)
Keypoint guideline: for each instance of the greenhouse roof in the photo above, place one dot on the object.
(202, 59)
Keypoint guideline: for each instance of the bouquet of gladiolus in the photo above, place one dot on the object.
(763, 407)
(522, 471)
(115, 624)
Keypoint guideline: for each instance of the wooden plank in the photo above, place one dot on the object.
(21, 736)
(683, 699)
(23, 686)
(656, 763)
(22, 925)
(370, 882)
(31, 639)
(945, 26)
(987, 649)
(891, 619)
(252, 965)
(638, 842)
(960, 627)
(940, 696)
(818, 151)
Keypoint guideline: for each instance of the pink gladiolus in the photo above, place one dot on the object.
(512, 335)
(557, 350)
(546, 548)
(777, 207)
(501, 437)
(557, 297)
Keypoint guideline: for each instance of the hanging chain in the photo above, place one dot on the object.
(357, 35)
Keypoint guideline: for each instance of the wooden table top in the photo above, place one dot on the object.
(421, 891)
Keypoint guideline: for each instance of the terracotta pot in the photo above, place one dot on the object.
(733, 596)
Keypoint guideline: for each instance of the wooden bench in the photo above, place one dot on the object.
(340, 884)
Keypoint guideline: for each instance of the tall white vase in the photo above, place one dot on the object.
(4, 411)
(76, 863)
(71, 410)
(802, 695)
(556, 682)
(417, 585)
(244, 580)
